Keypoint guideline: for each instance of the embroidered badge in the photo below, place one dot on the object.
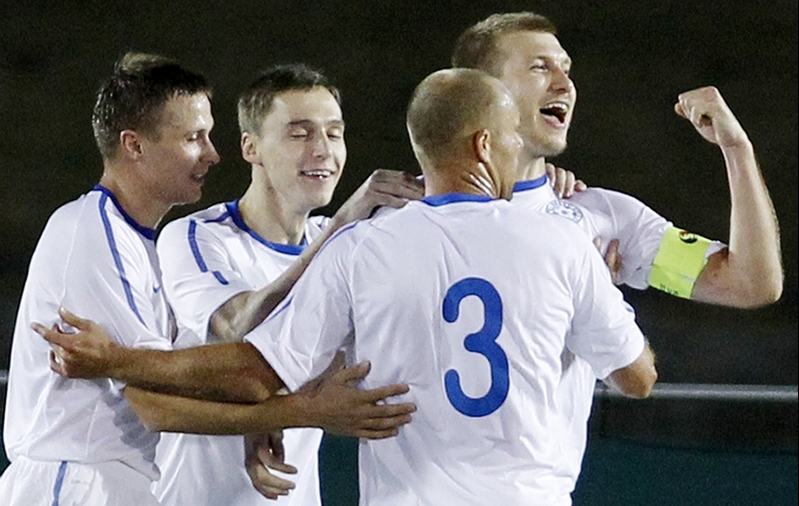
(565, 209)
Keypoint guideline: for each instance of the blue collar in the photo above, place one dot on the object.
(449, 198)
(289, 249)
(149, 233)
(531, 184)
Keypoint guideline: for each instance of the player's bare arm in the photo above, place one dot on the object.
(749, 272)
(637, 379)
(234, 372)
(244, 311)
(331, 402)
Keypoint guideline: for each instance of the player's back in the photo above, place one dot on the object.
(473, 313)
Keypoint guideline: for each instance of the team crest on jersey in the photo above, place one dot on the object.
(565, 209)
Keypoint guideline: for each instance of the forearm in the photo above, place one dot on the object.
(169, 413)
(637, 379)
(750, 273)
(245, 311)
(230, 372)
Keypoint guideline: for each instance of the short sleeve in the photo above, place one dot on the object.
(604, 332)
(301, 336)
(198, 275)
(109, 276)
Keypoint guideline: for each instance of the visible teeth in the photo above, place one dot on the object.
(558, 105)
(317, 173)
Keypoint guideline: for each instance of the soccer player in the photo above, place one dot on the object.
(522, 50)
(226, 267)
(478, 330)
(79, 441)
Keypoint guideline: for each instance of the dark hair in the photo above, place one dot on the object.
(133, 97)
(476, 46)
(256, 101)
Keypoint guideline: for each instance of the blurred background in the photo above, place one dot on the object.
(631, 60)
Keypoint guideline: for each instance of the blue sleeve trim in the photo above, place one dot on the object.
(195, 250)
(109, 233)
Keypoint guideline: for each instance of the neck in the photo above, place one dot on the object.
(142, 205)
(457, 178)
(270, 215)
(530, 169)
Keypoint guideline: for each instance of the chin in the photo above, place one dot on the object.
(191, 198)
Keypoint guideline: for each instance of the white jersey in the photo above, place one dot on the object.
(208, 257)
(96, 261)
(607, 215)
(450, 297)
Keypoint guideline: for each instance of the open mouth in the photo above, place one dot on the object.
(317, 174)
(556, 110)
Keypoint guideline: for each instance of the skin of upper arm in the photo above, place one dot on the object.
(718, 284)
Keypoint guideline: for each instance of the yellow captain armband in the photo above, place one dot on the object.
(679, 261)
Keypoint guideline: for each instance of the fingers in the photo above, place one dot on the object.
(383, 393)
(53, 336)
(613, 259)
(380, 428)
(274, 460)
(355, 372)
(388, 199)
(563, 181)
(56, 363)
(74, 320)
(268, 455)
(393, 188)
(268, 484)
(395, 182)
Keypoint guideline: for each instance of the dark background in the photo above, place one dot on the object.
(631, 60)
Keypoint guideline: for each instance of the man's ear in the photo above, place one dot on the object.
(481, 145)
(130, 144)
(249, 149)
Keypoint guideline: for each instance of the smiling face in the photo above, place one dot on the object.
(178, 156)
(300, 148)
(535, 68)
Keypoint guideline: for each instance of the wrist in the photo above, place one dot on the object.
(299, 411)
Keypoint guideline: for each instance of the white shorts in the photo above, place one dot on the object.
(35, 483)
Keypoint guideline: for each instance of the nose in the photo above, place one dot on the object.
(210, 153)
(561, 80)
(321, 146)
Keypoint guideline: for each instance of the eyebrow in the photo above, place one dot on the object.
(308, 123)
(566, 61)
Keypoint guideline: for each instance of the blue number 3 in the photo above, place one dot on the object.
(483, 342)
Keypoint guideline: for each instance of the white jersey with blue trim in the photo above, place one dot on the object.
(451, 296)
(607, 215)
(207, 258)
(96, 261)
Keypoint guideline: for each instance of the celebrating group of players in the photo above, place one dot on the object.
(456, 322)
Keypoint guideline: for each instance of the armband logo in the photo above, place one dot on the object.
(565, 210)
(687, 237)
